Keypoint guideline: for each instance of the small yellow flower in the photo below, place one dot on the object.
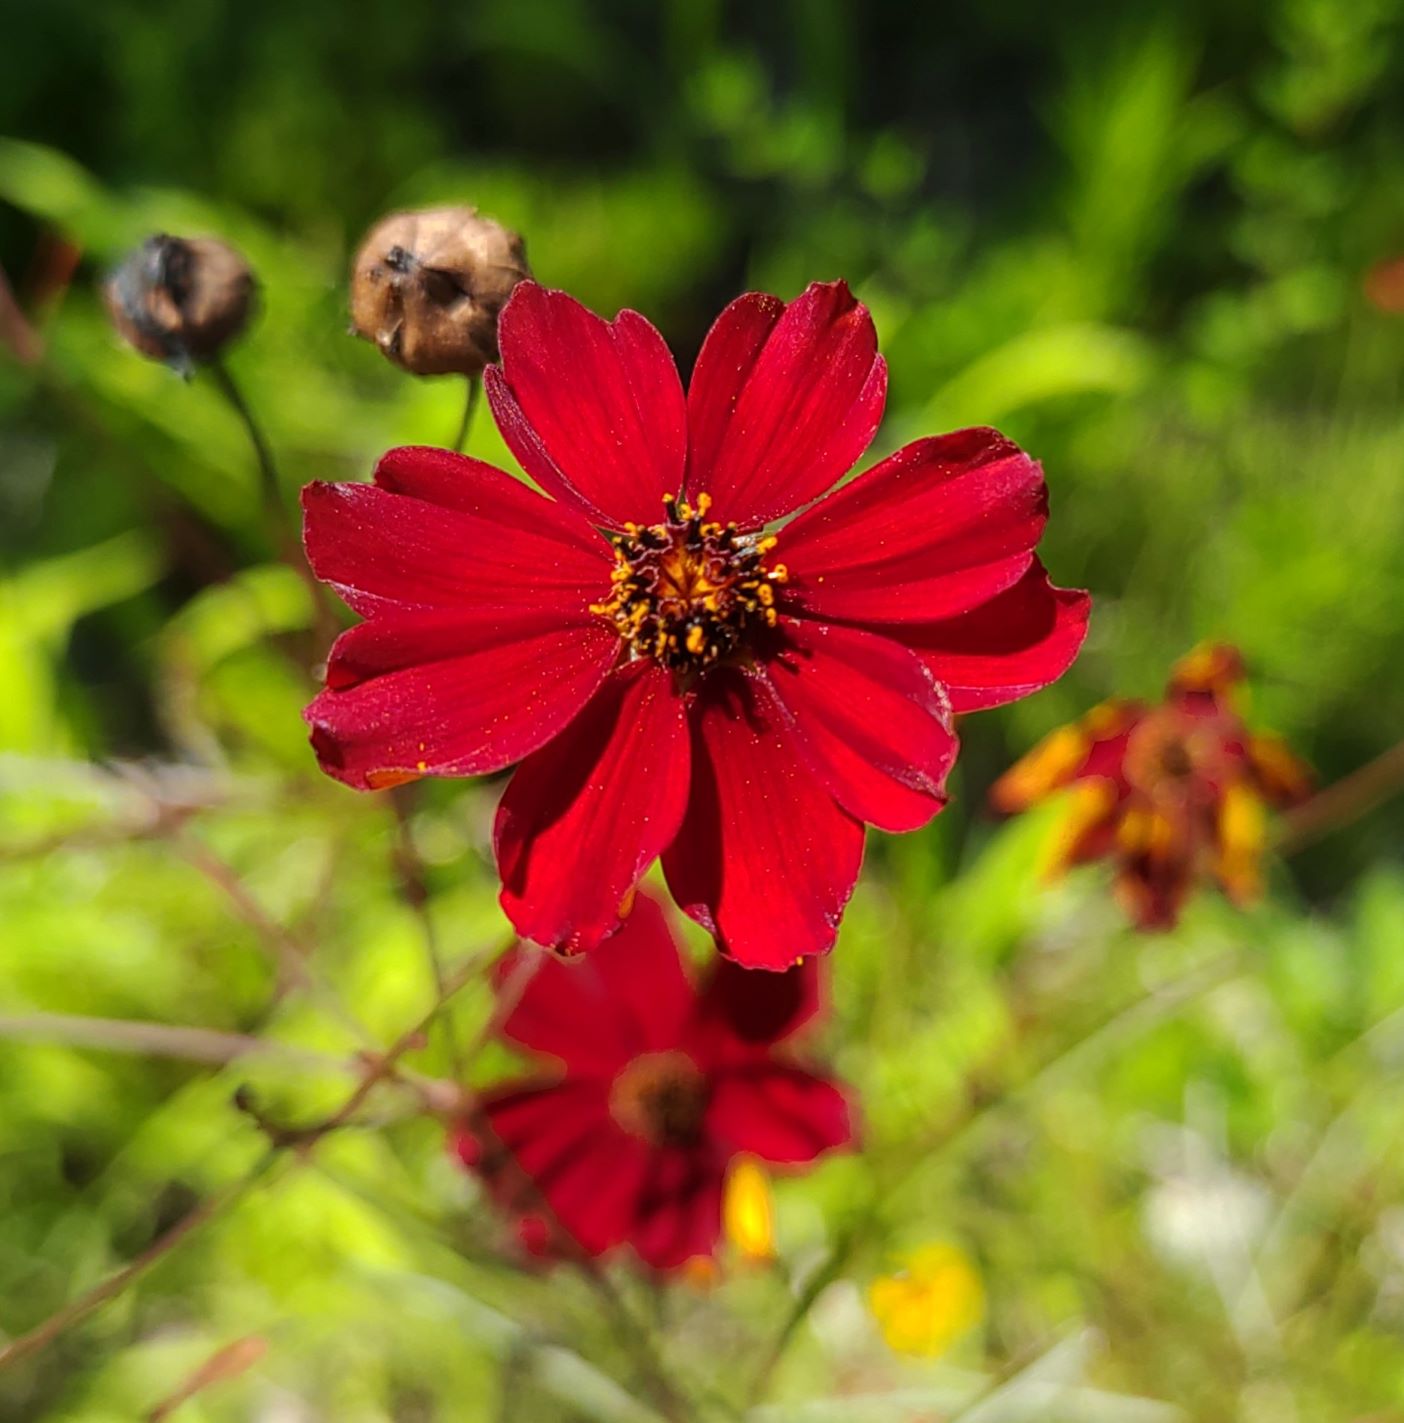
(748, 1211)
(931, 1302)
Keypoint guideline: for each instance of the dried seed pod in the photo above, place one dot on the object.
(181, 299)
(427, 288)
(1384, 286)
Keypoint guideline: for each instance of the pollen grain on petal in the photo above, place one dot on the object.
(388, 779)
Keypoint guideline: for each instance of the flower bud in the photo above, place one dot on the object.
(181, 299)
(427, 288)
(1384, 286)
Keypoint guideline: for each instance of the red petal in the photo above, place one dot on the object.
(592, 409)
(597, 1011)
(779, 1113)
(742, 1013)
(939, 527)
(585, 816)
(1017, 643)
(539, 1123)
(594, 1192)
(783, 401)
(765, 859)
(451, 693)
(560, 1137)
(1153, 896)
(535, 1120)
(484, 539)
(679, 1209)
(869, 720)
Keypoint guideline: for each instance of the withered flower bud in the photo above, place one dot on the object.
(181, 299)
(427, 288)
(1384, 286)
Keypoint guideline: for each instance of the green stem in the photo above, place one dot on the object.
(270, 489)
(976, 1105)
(282, 533)
(470, 408)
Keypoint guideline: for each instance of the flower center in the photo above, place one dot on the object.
(1168, 754)
(660, 1097)
(686, 591)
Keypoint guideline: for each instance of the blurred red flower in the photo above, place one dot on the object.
(671, 686)
(661, 1086)
(1172, 793)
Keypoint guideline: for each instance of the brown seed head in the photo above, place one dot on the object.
(181, 299)
(427, 288)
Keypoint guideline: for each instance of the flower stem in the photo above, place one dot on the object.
(78, 1310)
(376, 1069)
(411, 877)
(1343, 802)
(177, 1040)
(470, 408)
(1012, 1082)
(269, 486)
(282, 532)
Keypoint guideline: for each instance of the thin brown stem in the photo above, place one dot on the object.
(376, 1069)
(380, 1067)
(978, 1103)
(189, 1044)
(1343, 802)
(79, 1309)
(413, 882)
(290, 954)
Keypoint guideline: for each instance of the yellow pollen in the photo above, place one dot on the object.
(689, 593)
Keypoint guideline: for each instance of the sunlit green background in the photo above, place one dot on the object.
(1136, 238)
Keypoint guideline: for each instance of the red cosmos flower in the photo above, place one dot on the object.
(661, 1086)
(675, 681)
(1172, 793)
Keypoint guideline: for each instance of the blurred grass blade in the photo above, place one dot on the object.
(1077, 358)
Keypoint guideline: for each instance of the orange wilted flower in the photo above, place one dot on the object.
(1172, 793)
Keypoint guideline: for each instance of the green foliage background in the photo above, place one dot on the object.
(1134, 237)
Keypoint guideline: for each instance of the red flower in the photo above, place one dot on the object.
(674, 684)
(661, 1086)
(1172, 793)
